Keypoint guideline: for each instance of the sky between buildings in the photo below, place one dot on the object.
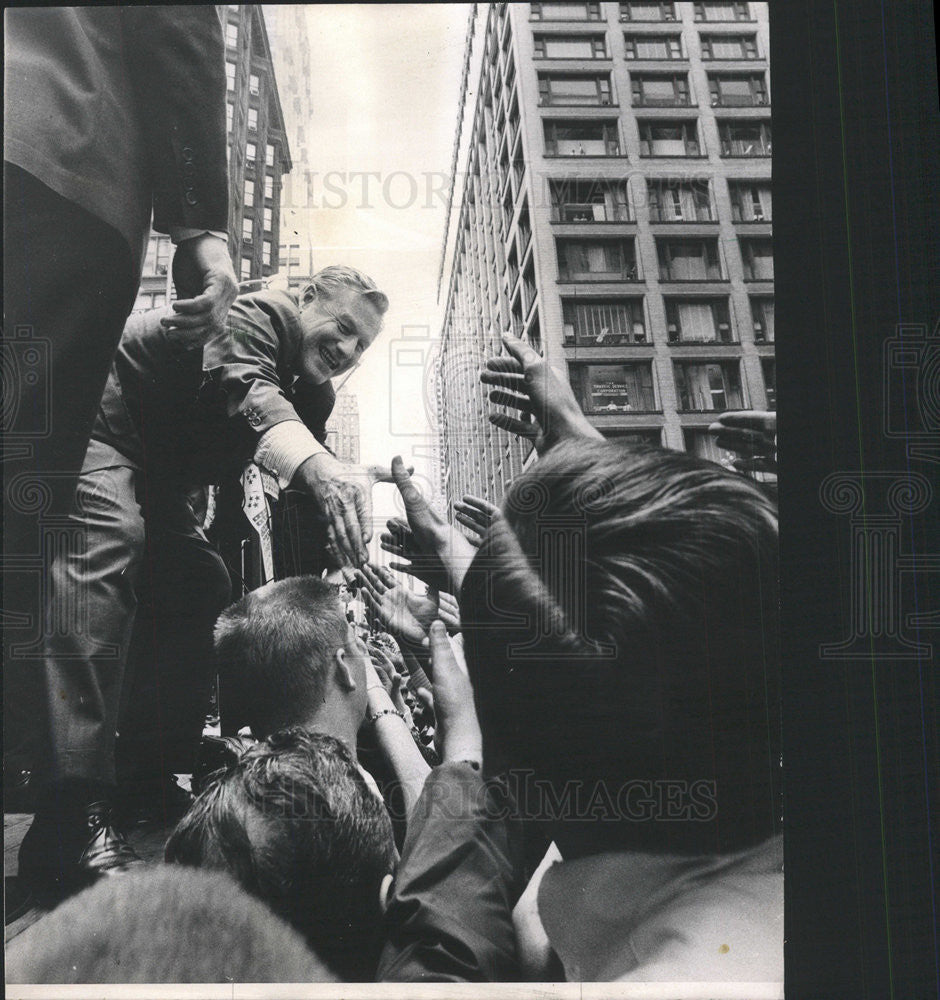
(385, 85)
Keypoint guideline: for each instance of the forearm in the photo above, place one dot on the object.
(408, 766)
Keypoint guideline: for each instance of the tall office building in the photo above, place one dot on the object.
(290, 45)
(342, 429)
(258, 160)
(616, 214)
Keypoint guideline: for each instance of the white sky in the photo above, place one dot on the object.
(384, 86)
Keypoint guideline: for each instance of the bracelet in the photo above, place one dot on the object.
(385, 711)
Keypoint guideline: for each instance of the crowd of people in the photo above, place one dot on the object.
(553, 752)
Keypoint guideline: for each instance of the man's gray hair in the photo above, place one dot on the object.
(337, 276)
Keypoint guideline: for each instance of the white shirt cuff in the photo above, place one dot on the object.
(180, 233)
(283, 448)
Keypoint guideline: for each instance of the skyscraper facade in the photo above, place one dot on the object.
(615, 213)
(342, 429)
(290, 43)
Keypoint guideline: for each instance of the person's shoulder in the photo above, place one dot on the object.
(267, 310)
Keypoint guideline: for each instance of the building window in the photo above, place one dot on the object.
(249, 193)
(268, 186)
(641, 437)
(675, 200)
(769, 368)
(597, 260)
(570, 47)
(700, 443)
(729, 46)
(722, 12)
(653, 46)
(251, 153)
(698, 321)
(268, 220)
(745, 138)
(571, 89)
(738, 91)
(229, 116)
(589, 201)
(647, 12)
(660, 91)
(518, 166)
(565, 11)
(524, 228)
(603, 322)
(751, 202)
(269, 155)
(584, 138)
(254, 84)
(688, 260)
(247, 229)
(758, 259)
(164, 252)
(246, 269)
(252, 119)
(528, 286)
(762, 312)
(614, 388)
(230, 75)
(266, 253)
(669, 139)
(231, 35)
(706, 387)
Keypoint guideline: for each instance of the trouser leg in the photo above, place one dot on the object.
(183, 587)
(68, 285)
(89, 618)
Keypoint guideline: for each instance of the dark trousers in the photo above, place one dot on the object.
(69, 283)
(132, 603)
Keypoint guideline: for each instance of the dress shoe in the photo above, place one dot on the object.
(59, 855)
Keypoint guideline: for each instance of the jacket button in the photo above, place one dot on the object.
(254, 419)
(191, 199)
(188, 154)
(189, 168)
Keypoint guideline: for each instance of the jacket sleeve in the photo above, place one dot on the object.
(249, 363)
(176, 58)
(450, 915)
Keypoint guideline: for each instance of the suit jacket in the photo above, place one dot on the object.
(450, 915)
(197, 415)
(121, 110)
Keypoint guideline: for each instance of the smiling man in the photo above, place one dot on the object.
(177, 415)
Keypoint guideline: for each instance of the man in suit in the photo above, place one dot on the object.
(175, 415)
(112, 115)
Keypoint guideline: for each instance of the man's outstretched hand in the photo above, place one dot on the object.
(344, 494)
(476, 514)
(752, 434)
(206, 285)
(548, 411)
(437, 553)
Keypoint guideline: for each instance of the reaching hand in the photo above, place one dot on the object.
(206, 283)
(545, 402)
(449, 612)
(437, 552)
(457, 736)
(344, 494)
(405, 615)
(476, 514)
(752, 434)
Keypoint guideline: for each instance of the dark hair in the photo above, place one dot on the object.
(621, 624)
(296, 824)
(163, 925)
(275, 647)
